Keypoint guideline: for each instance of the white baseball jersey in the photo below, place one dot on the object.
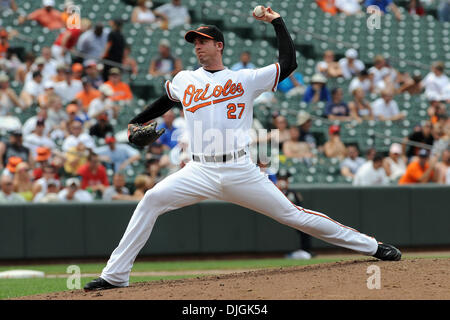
(218, 106)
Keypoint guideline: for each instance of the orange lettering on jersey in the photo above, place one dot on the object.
(188, 93)
(219, 92)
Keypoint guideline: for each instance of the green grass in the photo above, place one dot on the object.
(10, 288)
(174, 265)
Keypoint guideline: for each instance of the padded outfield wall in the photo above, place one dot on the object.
(411, 216)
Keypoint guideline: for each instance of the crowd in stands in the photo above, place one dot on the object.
(70, 150)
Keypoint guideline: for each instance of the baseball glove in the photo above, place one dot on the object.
(142, 135)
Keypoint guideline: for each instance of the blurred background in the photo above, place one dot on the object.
(363, 122)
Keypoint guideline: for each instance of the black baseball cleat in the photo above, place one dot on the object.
(98, 284)
(387, 252)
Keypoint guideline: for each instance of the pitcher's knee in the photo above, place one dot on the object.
(155, 200)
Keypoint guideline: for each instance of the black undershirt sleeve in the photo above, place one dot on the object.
(154, 110)
(286, 49)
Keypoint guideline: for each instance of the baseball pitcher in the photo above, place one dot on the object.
(218, 107)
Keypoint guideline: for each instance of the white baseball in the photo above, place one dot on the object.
(259, 11)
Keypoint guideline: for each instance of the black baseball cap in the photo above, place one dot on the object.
(210, 32)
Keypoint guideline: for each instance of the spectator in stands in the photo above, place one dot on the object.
(176, 13)
(47, 16)
(115, 47)
(66, 41)
(437, 110)
(38, 138)
(153, 169)
(60, 73)
(293, 148)
(363, 80)
(327, 6)
(348, 7)
(75, 157)
(7, 194)
(143, 13)
(436, 82)
(142, 183)
(14, 148)
(92, 42)
(102, 127)
(395, 163)
(411, 85)
(32, 90)
(244, 63)
(384, 6)
(328, 67)
(121, 90)
(415, 8)
(444, 11)
(337, 109)
(443, 168)
(38, 65)
(351, 66)
(371, 173)
(11, 165)
(41, 161)
(304, 123)
(334, 147)
(304, 253)
(168, 139)
(8, 97)
(104, 103)
(73, 193)
(385, 108)
(360, 108)
(421, 134)
(77, 71)
(8, 4)
(26, 67)
(50, 64)
(118, 156)
(420, 170)
(93, 175)
(352, 162)
(47, 174)
(317, 90)
(4, 44)
(49, 90)
(283, 134)
(87, 95)
(56, 117)
(118, 188)
(22, 181)
(378, 70)
(165, 64)
(76, 136)
(92, 75)
(68, 89)
(129, 62)
(51, 193)
(292, 85)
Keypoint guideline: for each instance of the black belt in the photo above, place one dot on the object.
(220, 158)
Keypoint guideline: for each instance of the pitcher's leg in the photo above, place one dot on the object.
(183, 188)
(260, 194)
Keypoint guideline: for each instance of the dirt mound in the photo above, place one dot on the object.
(407, 279)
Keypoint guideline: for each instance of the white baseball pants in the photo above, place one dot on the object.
(241, 183)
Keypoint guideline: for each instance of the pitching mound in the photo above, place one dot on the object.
(408, 279)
